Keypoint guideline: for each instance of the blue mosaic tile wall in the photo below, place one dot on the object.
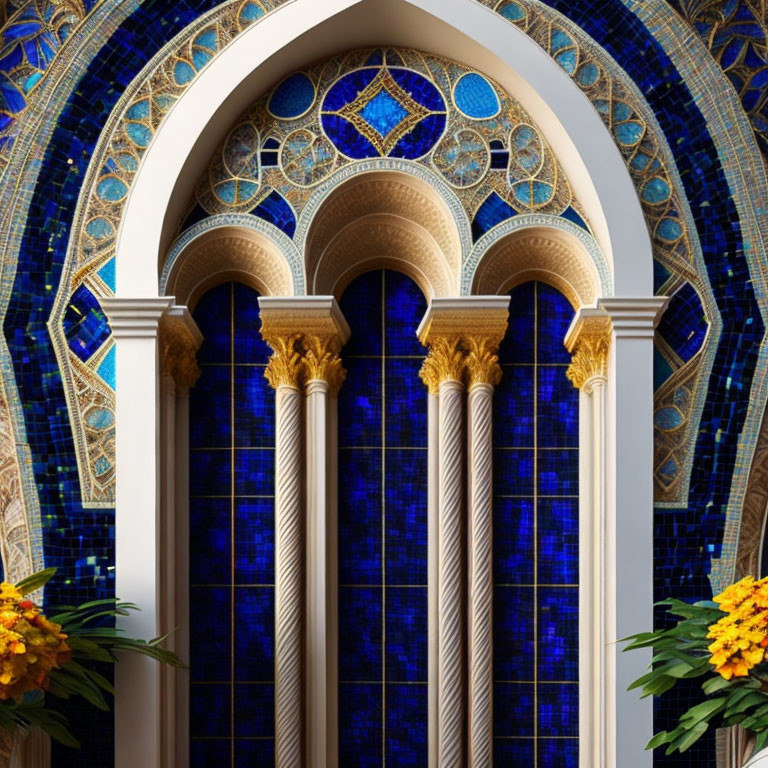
(78, 541)
(383, 527)
(536, 538)
(232, 531)
(687, 539)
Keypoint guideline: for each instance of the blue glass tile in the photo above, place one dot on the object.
(571, 215)
(383, 113)
(513, 709)
(407, 745)
(360, 633)
(493, 211)
(518, 345)
(562, 753)
(554, 315)
(254, 541)
(476, 97)
(293, 97)
(254, 752)
(347, 138)
(558, 473)
(361, 306)
(418, 88)
(108, 367)
(683, 325)
(253, 408)
(360, 725)
(406, 633)
(208, 720)
(406, 404)
(275, 209)
(213, 315)
(513, 408)
(347, 88)
(210, 473)
(513, 752)
(558, 710)
(254, 634)
(405, 307)
(360, 416)
(211, 607)
(254, 473)
(513, 633)
(203, 754)
(557, 413)
(210, 523)
(558, 633)
(254, 711)
(513, 557)
(558, 537)
(85, 325)
(406, 517)
(513, 472)
(249, 347)
(360, 517)
(421, 139)
(210, 408)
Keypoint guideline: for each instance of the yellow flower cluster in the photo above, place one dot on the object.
(740, 637)
(30, 645)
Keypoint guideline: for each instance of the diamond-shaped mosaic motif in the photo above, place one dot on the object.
(383, 113)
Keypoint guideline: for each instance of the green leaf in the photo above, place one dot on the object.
(35, 581)
(752, 699)
(660, 738)
(715, 684)
(693, 736)
(702, 711)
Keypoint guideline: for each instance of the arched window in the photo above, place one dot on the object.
(536, 536)
(383, 527)
(231, 566)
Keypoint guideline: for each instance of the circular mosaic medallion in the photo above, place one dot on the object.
(387, 112)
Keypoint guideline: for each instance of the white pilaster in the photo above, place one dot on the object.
(628, 529)
(134, 325)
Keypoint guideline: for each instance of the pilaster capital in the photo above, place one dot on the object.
(589, 342)
(463, 335)
(306, 334)
(180, 338)
(634, 317)
(135, 318)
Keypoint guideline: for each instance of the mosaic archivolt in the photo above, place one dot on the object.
(620, 109)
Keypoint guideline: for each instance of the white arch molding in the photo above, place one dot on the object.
(298, 33)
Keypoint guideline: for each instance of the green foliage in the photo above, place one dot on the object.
(93, 640)
(681, 653)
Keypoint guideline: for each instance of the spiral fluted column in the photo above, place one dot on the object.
(305, 334)
(484, 375)
(443, 371)
(283, 374)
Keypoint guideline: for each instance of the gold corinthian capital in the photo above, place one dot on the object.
(446, 361)
(285, 364)
(322, 362)
(590, 350)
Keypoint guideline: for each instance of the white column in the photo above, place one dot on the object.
(180, 339)
(451, 625)
(134, 325)
(283, 374)
(433, 497)
(629, 525)
(612, 349)
(306, 334)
